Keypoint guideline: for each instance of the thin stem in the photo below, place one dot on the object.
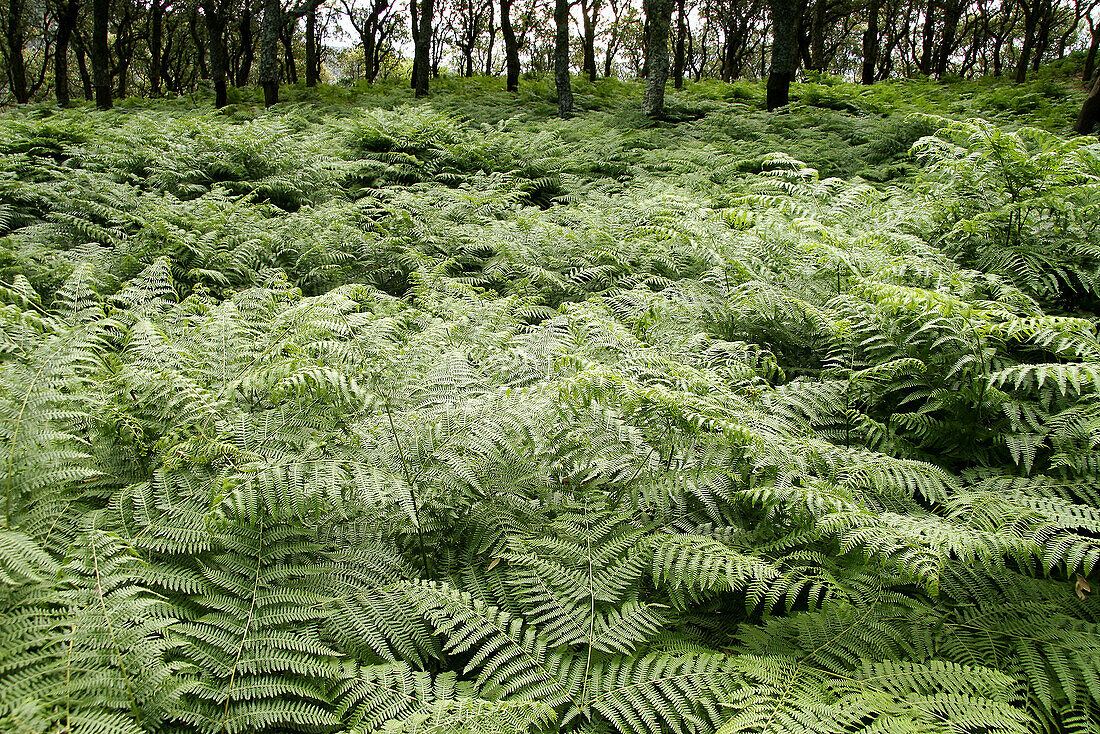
(412, 489)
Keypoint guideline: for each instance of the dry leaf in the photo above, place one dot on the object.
(497, 560)
(1082, 587)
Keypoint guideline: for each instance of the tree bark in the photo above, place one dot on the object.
(468, 60)
(370, 70)
(17, 67)
(1031, 22)
(492, 38)
(678, 59)
(952, 12)
(199, 45)
(286, 37)
(561, 58)
(817, 36)
(928, 38)
(156, 40)
(101, 70)
(1090, 110)
(1042, 36)
(312, 70)
(589, 14)
(414, 29)
(1090, 57)
(66, 23)
(124, 50)
(784, 52)
(659, 18)
(244, 69)
(615, 37)
(422, 64)
(511, 46)
(870, 44)
(82, 67)
(170, 84)
(215, 12)
(270, 26)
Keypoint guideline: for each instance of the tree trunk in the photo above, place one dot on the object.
(952, 12)
(561, 58)
(124, 51)
(66, 23)
(170, 85)
(200, 46)
(678, 59)
(214, 12)
(589, 11)
(492, 39)
(1042, 37)
(270, 26)
(414, 20)
(422, 64)
(1025, 51)
(82, 67)
(156, 41)
(608, 59)
(998, 61)
(244, 70)
(17, 67)
(1031, 22)
(366, 37)
(1090, 58)
(817, 36)
(658, 15)
(870, 44)
(123, 76)
(1090, 110)
(312, 70)
(928, 38)
(286, 37)
(725, 73)
(101, 70)
(784, 52)
(613, 41)
(511, 47)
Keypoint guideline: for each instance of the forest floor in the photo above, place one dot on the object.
(365, 411)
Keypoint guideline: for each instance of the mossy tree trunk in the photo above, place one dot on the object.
(269, 50)
(658, 15)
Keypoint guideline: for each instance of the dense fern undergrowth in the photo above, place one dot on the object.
(454, 417)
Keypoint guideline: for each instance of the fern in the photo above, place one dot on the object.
(391, 420)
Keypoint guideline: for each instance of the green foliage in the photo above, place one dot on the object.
(452, 417)
(1021, 204)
